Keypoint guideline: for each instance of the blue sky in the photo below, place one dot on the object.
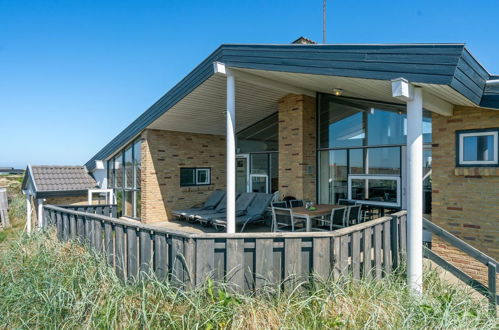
(73, 74)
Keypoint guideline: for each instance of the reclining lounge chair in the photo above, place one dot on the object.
(242, 204)
(256, 212)
(211, 203)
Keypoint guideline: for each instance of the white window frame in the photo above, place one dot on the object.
(375, 177)
(265, 176)
(495, 161)
(109, 195)
(208, 176)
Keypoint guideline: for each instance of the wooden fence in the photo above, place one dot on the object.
(246, 261)
(4, 209)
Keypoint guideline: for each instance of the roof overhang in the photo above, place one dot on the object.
(447, 73)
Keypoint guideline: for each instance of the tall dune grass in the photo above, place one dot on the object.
(46, 284)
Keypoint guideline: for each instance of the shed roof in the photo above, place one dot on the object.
(54, 179)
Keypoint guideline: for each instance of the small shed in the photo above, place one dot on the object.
(59, 185)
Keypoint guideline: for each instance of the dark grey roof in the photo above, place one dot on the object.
(444, 64)
(60, 178)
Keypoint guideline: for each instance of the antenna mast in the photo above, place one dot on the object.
(323, 21)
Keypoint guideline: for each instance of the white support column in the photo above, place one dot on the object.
(415, 191)
(28, 214)
(40, 214)
(231, 152)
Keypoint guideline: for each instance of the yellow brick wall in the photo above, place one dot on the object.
(297, 146)
(67, 200)
(163, 154)
(465, 201)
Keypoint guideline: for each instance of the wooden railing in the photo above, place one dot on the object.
(245, 261)
(490, 290)
(102, 209)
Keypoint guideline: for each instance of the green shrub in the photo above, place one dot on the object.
(45, 284)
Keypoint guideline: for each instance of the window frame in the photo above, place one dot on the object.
(196, 182)
(395, 178)
(461, 134)
(123, 189)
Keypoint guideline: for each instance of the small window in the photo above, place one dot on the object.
(195, 176)
(477, 147)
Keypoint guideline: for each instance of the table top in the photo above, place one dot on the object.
(321, 209)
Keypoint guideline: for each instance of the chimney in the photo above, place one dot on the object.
(303, 41)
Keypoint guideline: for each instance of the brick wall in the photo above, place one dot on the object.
(163, 154)
(465, 201)
(297, 146)
(67, 200)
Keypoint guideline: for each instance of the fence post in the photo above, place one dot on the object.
(394, 228)
(492, 287)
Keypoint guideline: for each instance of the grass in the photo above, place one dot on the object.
(17, 206)
(44, 283)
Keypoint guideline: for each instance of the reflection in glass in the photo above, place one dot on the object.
(385, 127)
(374, 190)
(128, 203)
(110, 174)
(478, 148)
(259, 163)
(118, 170)
(137, 163)
(137, 204)
(356, 161)
(119, 202)
(128, 168)
(383, 160)
(333, 176)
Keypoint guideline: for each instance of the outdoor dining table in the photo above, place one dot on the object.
(320, 211)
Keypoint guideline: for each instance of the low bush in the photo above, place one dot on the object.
(48, 284)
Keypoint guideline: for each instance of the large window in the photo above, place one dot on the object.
(123, 174)
(477, 147)
(360, 146)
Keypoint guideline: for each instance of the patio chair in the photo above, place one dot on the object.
(256, 212)
(353, 215)
(284, 220)
(210, 204)
(295, 203)
(281, 204)
(242, 204)
(337, 218)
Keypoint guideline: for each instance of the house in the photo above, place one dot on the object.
(10, 171)
(321, 122)
(56, 185)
